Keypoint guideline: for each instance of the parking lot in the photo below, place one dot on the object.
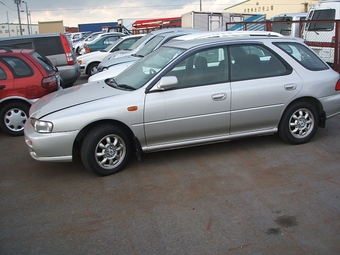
(252, 196)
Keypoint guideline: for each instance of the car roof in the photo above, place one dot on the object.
(207, 34)
(14, 50)
(171, 30)
(222, 40)
(30, 36)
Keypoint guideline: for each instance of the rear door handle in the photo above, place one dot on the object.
(291, 86)
(219, 96)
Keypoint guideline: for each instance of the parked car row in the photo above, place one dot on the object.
(115, 63)
(188, 93)
(89, 62)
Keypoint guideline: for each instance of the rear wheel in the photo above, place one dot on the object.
(13, 117)
(299, 123)
(105, 150)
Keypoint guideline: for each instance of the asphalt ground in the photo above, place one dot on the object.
(251, 196)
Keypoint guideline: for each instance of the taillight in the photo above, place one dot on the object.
(67, 49)
(337, 86)
(88, 49)
(333, 39)
(49, 82)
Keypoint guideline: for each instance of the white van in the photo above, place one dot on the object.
(320, 35)
(281, 23)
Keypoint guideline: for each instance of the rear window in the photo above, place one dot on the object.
(49, 45)
(303, 55)
(19, 67)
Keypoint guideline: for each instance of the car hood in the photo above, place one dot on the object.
(117, 61)
(72, 96)
(91, 55)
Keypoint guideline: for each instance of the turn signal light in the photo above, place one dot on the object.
(337, 86)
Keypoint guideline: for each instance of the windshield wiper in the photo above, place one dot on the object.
(125, 86)
(138, 56)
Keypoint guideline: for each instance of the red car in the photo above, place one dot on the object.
(25, 76)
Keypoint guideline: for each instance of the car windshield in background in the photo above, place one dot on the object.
(142, 71)
(303, 55)
(139, 42)
(150, 46)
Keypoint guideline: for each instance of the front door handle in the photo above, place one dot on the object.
(2, 86)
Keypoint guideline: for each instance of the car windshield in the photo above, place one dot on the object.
(150, 46)
(145, 69)
(108, 48)
(140, 41)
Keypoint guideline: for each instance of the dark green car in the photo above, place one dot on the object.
(102, 41)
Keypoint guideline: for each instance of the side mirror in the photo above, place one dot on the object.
(165, 83)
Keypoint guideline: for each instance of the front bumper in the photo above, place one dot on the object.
(51, 146)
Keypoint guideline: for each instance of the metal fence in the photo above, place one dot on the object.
(322, 36)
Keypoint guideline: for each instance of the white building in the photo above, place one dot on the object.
(13, 29)
(271, 7)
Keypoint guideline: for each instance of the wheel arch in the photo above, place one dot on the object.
(313, 101)
(15, 100)
(90, 64)
(81, 135)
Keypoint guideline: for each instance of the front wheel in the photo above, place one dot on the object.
(299, 123)
(92, 69)
(105, 150)
(13, 117)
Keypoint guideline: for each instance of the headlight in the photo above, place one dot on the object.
(105, 68)
(41, 126)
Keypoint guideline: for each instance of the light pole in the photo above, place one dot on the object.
(18, 2)
(28, 23)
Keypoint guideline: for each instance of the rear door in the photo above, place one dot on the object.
(261, 85)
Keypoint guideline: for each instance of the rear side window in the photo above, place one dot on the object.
(44, 62)
(19, 67)
(49, 45)
(302, 54)
(3, 75)
(254, 61)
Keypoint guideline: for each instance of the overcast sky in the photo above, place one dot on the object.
(74, 12)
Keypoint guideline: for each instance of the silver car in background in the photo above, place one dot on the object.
(184, 94)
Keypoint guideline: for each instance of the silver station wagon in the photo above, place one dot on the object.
(185, 94)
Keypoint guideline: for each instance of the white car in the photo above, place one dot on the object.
(89, 62)
(116, 66)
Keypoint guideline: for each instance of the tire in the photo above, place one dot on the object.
(299, 123)
(105, 150)
(13, 117)
(92, 69)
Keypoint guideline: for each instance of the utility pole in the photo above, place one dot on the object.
(18, 2)
(9, 31)
(28, 23)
